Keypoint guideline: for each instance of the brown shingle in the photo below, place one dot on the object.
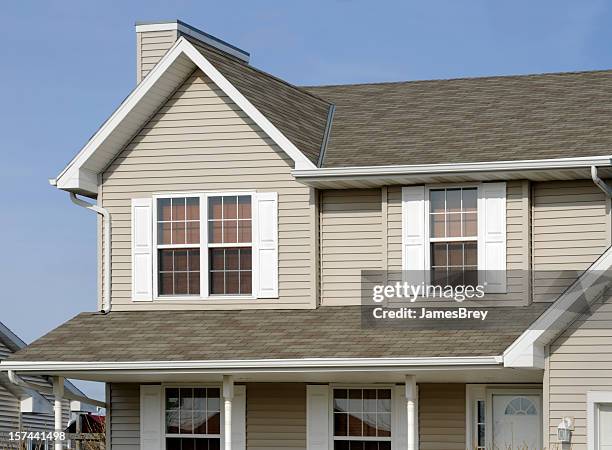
(470, 120)
(265, 334)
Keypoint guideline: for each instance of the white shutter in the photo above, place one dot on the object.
(413, 234)
(239, 418)
(492, 237)
(150, 417)
(317, 417)
(266, 235)
(142, 249)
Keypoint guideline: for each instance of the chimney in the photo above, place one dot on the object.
(154, 39)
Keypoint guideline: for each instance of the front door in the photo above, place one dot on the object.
(516, 421)
(604, 427)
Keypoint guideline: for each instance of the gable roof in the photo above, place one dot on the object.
(297, 113)
(505, 118)
(256, 90)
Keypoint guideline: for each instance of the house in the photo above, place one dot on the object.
(242, 221)
(23, 409)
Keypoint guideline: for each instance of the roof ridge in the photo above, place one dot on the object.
(255, 69)
(466, 78)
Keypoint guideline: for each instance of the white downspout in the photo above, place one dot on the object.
(601, 184)
(106, 304)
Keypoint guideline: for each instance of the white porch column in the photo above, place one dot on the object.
(411, 398)
(228, 395)
(58, 392)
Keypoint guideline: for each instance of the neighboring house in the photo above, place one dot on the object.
(238, 212)
(23, 409)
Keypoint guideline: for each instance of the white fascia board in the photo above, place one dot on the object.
(260, 365)
(77, 177)
(418, 169)
(527, 351)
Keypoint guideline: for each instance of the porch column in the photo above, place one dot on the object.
(228, 395)
(58, 393)
(411, 398)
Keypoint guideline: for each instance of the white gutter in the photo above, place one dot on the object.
(259, 365)
(16, 380)
(106, 304)
(535, 164)
(601, 184)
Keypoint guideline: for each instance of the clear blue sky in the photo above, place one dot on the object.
(67, 64)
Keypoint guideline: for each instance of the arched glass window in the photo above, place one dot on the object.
(520, 406)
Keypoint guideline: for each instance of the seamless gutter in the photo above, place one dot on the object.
(454, 168)
(271, 365)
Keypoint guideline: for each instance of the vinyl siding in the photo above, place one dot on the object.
(351, 240)
(571, 229)
(276, 416)
(124, 416)
(200, 141)
(9, 412)
(580, 360)
(150, 47)
(517, 241)
(442, 416)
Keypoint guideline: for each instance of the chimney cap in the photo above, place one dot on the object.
(185, 28)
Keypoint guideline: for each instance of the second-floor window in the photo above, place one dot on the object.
(221, 231)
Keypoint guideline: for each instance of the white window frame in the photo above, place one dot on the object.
(165, 435)
(358, 438)
(427, 211)
(203, 245)
(594, 399)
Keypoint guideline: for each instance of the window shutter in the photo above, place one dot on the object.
(142, 249)
(492, 237)
(399, 425)
(150, 417)
(317, 417)
(414, 246)
(239, 418)
(266, 235)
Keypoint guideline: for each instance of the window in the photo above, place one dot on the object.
(193, 419)
(37, 444)
(224, 248)
(230, 244)
(453, 236)
(362, 419)
(520, 406)
(480, 425)
(178, 239)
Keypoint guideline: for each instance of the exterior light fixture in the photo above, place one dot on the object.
(564, 430)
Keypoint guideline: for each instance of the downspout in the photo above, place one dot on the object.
(18, 381)
(106, 304)
(601, 184)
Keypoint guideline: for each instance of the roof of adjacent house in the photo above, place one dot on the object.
(326, 332)
(300, 115)
(466, 120)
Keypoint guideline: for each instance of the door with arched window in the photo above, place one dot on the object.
(516, 419)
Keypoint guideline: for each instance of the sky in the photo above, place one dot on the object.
(66, 65)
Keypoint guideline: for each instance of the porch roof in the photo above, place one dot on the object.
(326, 332)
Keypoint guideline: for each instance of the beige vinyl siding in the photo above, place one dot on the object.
(351, 240)
(150, 47)
(276, 416)
(201, 141)
(571, 229)
(580, 360)
(517, 241)
(124, 416)
(442, 416)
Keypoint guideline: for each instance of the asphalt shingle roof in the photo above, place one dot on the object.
(470, 120)
(264, 334)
